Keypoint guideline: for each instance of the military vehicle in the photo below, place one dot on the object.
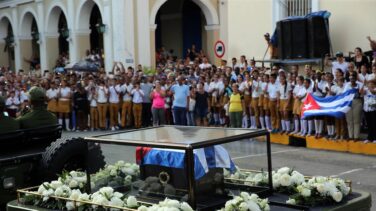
(29, 157)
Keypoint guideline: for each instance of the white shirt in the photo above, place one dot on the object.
(244, 87)
(102, 94)
(263, 88)
(358, 86)
(216, 88)
(321, 86)
(370, 77)
(65, 92)
(272, 90)
(114, 93)
(284, 92)
(137, 95)
(296, 89)
(204, 66)
(369, 101)
(24, 97)
(92, 100)
(337, 90)
(51, 94)
(256, 89)
(344, 66)
(12, 102)
(363, 78)
(126, 90)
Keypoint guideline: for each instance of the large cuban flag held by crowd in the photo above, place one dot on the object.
(335, 106)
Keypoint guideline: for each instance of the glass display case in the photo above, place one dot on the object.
(199, 165)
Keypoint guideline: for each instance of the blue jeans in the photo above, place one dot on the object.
(191, 118)
(180, 115)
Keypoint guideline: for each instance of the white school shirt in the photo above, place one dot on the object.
(64, 93)
(263, 88)
(114, 93)
(337, 90)
(296, 89)
(92, 100)
(52, 93)
(204, 66)
(284, 93)
(256, 89)
(126, 90)
(244, 87)
(363, 78)
(216, 85)
(370, 77)
(321, 85)
(137, 96)
(102, 94)
(272, 90)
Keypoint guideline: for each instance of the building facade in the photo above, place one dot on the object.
(130, 30)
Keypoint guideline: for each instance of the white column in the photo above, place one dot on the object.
(223, 30)
(315, 5)
(17, 49)
(107, 36)
(143, 24)
(42, 40)
(73, 46)
(129, 36)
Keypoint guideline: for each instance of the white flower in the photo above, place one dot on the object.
(254, 197)
(132, 202)
(83, 197)
(284, 170)
(291, 201)
(243, 206)
(245, 196)
(116, 202)
(73, 183)
(55, 184)
(185, 207)
(63, 191)
(276, 180)
(118, 195)
(253, 206)
(73, 173)
(337, 196)
(42, 188)
(80, 179)
(128, 171)
(285, 180)
(47, 193)
(142, 208)
(173, 203)
(75, 194)
(120, 163)
(306, 192)
(321, 189)
(70, 205)
(297, 178)
(99, 199)
(107, 192)
(113, 172)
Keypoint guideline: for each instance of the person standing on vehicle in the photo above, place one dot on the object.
(7, 124)
(38, 116)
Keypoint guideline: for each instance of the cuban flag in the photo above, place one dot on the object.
(335, 106)
(204, 158)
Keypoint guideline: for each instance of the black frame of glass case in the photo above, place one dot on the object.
(188, 148)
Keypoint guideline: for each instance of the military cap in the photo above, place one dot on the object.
(37, 94)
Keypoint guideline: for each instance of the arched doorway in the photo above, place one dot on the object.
(180, 24)
(6, 44)
(91, 28)
(57, 37)
(29, 42)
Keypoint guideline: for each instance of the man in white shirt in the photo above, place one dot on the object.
(102, 104)
(137, 96)
(114, 91)
(126, 110)
(205, 64)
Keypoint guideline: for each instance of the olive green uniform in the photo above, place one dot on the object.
(37, 117)
(8, 124)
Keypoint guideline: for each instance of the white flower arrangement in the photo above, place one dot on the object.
(320, 190)
(246, 202)
(285, 180)
(167, 205)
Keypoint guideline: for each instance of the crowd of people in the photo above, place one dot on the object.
(194, 92)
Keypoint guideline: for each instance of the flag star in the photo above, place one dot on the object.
(308, 106)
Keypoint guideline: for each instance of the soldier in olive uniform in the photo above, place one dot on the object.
(38, 115)
(7, 124)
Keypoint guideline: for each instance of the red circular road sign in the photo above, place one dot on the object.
(219, 49)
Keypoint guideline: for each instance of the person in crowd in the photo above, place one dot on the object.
(126, 109)
(359, 59)
(236, 107)
(180, 104)
(93, 103)
(137, 99)
(216, 90)
(256, 91)
(202, 107)
(363, 75)
(8, 124)
(81, 107)
(158, 107)
(264, 102)
(369, 107)
(147, 88)
(284, 103)
(102, 104)
(353, 116)
(38, 115)
(52, 98)
(298, 93)
(12, 104)
(340, 123)
(319, 91)
(339, 63)
(192, 104)
(64, 103)
(114, 100)
(329, 120)
(272, 90)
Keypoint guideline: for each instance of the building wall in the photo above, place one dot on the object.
(248, 21)
(350, 23)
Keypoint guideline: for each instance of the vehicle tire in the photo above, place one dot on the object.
(70, 154)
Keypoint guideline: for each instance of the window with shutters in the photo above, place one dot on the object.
(298, 7)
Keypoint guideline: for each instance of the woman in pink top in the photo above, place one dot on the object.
(158, 107)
